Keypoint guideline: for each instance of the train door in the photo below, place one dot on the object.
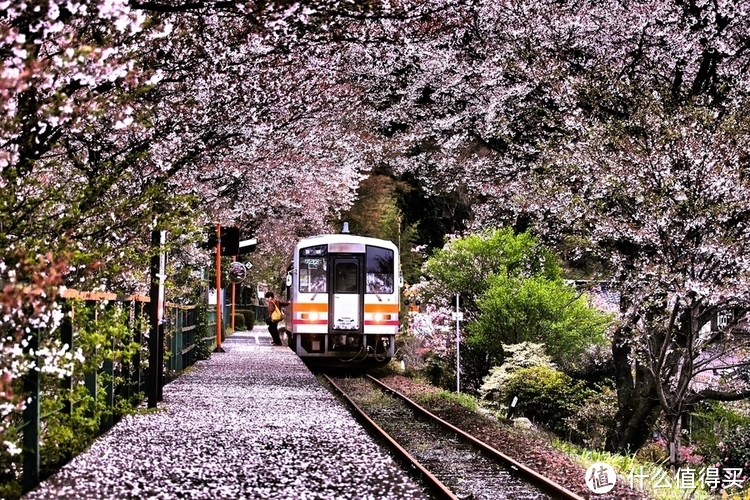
(346, 296)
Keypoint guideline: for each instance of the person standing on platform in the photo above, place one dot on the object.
(272, 320)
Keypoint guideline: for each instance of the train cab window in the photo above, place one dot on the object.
(346, 277)
(380, 270)
(313, 270)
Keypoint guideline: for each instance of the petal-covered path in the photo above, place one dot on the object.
(252, 422)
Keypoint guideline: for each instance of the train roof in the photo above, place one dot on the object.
(324, 239)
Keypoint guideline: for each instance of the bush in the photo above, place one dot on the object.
(517, 356)
(590, 423)
(539, 309)
(735, 451)
(239, 322)
(713, 423)
(512, 291)
(546, 396)
(249, 317)
(440, 372)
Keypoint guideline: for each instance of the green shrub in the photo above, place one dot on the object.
(440, 372)
(248, 315)
(10, 476)
(102, 332)
(517, 356)
(546, 396)
(589, 424)
(541, 309)
(239, 322)
(713, 423)
(735, 451)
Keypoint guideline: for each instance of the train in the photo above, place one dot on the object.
(344, 292)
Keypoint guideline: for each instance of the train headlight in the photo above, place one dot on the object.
(313, 316)
(378, 317)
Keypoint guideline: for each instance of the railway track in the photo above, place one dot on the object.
(452, 463)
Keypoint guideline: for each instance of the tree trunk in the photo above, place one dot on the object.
(636, 400)
(673, 443)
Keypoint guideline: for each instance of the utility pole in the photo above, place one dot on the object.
(231, 312)
(156, 315)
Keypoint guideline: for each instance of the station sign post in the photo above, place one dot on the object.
(458, 316)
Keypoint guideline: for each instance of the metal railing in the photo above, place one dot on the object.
(114, 379)
(180, 334)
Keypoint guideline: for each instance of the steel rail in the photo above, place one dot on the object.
(547, 485)
(432, 482)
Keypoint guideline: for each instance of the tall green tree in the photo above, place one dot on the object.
(538, 308)
(376, 213)
(465, 265)
(511, 290)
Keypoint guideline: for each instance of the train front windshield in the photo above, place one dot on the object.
(379, 271)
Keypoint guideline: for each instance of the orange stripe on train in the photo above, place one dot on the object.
(381, 308)
(310, 307)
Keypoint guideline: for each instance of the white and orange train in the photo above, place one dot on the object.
(344, 292)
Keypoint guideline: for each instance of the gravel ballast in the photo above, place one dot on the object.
(251, 422)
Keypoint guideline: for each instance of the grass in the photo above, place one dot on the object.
(376, 399)
(625, 465)
(465, 400)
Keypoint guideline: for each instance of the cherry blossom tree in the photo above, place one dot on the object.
(117, 118)
(130, 116)
(651, 176)
(619, 128)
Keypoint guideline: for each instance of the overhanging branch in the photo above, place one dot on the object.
(185, 7)
(714, 395)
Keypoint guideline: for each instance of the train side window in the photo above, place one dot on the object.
(346, 277)
(380, 270)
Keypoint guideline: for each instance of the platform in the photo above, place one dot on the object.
(252, 422)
